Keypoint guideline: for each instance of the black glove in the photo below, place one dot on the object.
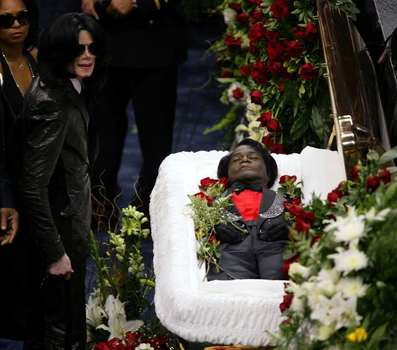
(274, 230)
(226, 233)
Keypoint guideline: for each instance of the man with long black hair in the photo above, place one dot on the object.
(54, 181)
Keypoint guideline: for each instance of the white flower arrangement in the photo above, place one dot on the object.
(113, 314)
(348, 228)
(330, 296)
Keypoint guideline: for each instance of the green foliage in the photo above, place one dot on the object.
(121, 271)
(208, 209)
(228, 120)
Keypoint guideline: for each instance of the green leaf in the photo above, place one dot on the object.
(318, 123)
(228, 119)
(376, 337)
(226, 80)
(299, 127)
(388, 156)
(302, 90)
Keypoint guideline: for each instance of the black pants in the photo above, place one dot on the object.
(153, 96)
(252, 258)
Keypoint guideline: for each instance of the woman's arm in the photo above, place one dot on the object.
(8, 215)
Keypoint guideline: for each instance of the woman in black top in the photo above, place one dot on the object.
(18, 28)
(18, 24)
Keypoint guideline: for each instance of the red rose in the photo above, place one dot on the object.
(256, 32)
(231, 41)
(285, 178)
(275, 50)
(294, 48)
(334, 196)
(116, 344)
(276, 68)
(373, 182)
(256, 96)
(299, 32)
(308, 216)
(255, 2)
(308, 71)
(259, 77)
(271, 35)
(207, 182)
(242, 18)
(237, 93)
(204, 197)
(102, 346)
(355, 172)
(257, 15)
(132, 339)
(296, 201)
(277, 148)
(273, 125)
(226, 73)
(268, 140)
(287, 300)
(311, 31)
(265, 118)
(384, 175)
(295, 210)
(236, 6)
(301, 225)
(279, 9)
(245, 70)
(260, 66)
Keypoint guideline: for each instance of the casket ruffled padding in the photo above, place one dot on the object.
(220, 312)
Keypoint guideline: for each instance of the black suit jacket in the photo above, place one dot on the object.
(148, 37)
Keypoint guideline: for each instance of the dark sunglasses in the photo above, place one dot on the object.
(7, 20)
(92, 49)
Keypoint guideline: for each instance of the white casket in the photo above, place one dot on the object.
(221, 312)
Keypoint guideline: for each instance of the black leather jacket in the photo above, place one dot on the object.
(54, 178)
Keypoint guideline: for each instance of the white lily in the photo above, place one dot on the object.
(117, 320)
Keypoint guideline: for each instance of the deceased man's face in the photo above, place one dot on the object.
(247, 165)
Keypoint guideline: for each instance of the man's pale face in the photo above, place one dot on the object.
(83, 65)
(247, 165)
